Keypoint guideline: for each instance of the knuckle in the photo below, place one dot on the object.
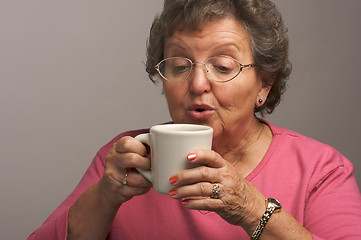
(130, 144)
(139, 181)
(125, 144)
(204, 172)
(208, 204)
(203, 188)
(110, 159)
(215, 155)
(132, 158)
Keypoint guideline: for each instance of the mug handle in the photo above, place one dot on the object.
(144, 138)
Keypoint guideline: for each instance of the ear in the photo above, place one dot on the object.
(263, 94)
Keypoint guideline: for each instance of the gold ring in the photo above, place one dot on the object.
(215, 191)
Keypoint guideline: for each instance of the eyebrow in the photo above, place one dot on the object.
(226, 48)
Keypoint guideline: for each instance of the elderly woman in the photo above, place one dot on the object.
(221, 62)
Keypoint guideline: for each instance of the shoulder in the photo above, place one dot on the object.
(286, 135)
(288, 140)
(305, 164)
(309, 155)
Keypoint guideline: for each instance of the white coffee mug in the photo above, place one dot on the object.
(169, 146)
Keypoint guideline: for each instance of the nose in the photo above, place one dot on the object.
(199, 82)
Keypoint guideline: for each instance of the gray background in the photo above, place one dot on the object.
(72, 77)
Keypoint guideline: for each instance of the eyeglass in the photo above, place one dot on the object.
(218, 69)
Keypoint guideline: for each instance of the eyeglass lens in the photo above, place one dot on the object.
(178, 69)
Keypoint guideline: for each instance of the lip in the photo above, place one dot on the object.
(200, 111)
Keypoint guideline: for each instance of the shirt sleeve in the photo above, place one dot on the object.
(333, 206)
(56, 225)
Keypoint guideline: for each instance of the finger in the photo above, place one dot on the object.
(128, 152)
(129, 144)
(202, 189)
(117, 163)
(135, 179)
(130, 177)
(206, 204)
(131, 160)
(114, 189)
(206, 157)
(195, 175)
(134, 191)
(130, 183)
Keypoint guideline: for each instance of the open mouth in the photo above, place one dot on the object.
(200, 111)
(200, 108)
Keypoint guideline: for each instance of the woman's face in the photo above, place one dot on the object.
(227, 106)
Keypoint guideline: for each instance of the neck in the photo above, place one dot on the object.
(240, 148)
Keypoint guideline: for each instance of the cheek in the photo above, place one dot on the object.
(175, 91)
(229, 96)
(236, 96)
(170, 94)
(175, 96)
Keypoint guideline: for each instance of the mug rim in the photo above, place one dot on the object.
(176, 128)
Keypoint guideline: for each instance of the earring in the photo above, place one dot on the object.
(260, 100)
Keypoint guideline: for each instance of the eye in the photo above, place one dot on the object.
(222, 69)
(179, 65)
(221, 65)
(180, 69)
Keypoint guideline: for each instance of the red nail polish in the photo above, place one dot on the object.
(173, 179)
(185, 202)
(191, 156)
(172, 192)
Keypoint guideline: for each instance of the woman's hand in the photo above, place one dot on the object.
(93, 213)
(120, 163)
(238, 201)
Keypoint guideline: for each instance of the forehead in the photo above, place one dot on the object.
(214, 34)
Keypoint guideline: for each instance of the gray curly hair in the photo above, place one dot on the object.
(261, 19)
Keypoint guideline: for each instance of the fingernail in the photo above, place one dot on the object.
(191, 157)
(173, 179)
(185, 202)
(172, 192)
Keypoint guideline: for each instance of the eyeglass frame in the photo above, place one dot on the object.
(204, 66)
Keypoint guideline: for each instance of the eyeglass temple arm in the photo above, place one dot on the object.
(248, 65)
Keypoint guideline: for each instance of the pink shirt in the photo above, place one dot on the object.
(314, 183)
